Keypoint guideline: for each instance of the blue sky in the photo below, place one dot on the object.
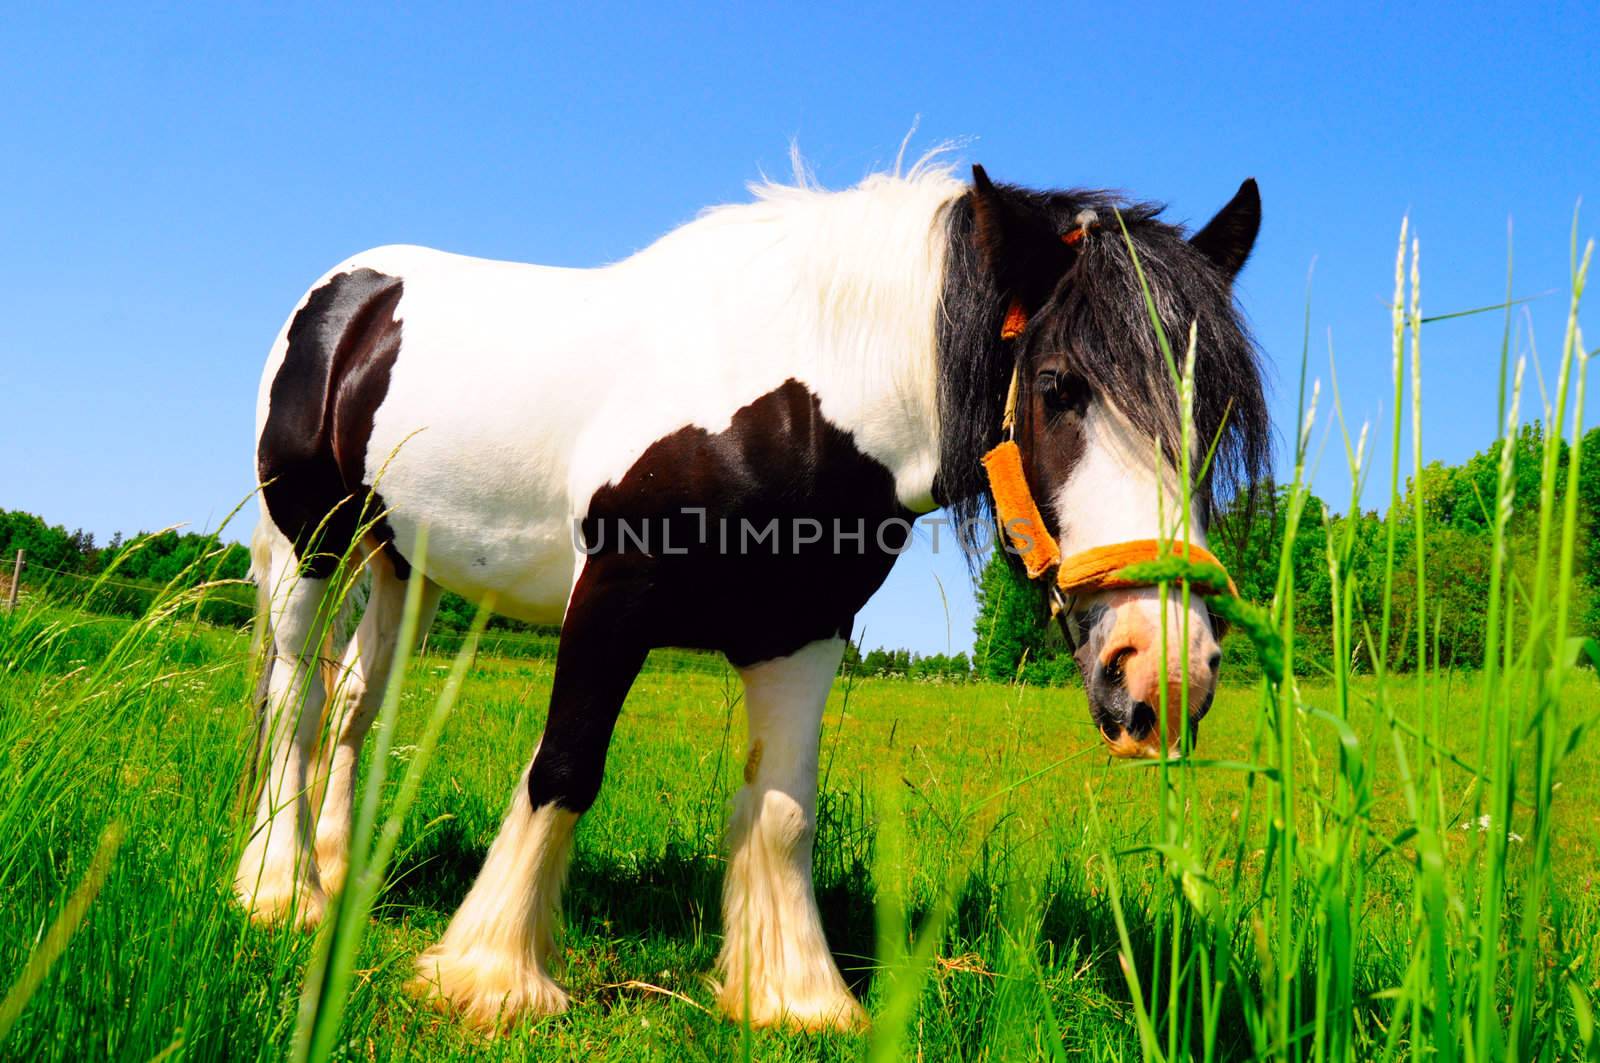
(176, 178)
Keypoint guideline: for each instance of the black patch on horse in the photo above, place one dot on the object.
(721, 541)
(780, 465)
(311, 457)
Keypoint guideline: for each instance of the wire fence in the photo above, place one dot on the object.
(145, 586)
(226, 604)
(511, 645)
(233, 605)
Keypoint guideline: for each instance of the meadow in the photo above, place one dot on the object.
(1360, 863)
(1007, 814)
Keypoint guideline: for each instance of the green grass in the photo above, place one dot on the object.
(165, 958)
(1362, 867)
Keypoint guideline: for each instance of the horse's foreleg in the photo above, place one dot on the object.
(277, 876)
(775, 967)
(356, 698)
(494, 963)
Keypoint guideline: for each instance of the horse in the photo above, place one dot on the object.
(720, 443)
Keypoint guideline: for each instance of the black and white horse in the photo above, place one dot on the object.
(718, 443)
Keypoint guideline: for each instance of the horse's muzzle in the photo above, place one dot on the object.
(1125, 698)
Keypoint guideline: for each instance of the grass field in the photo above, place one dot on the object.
(991, 784)
(1362, 866)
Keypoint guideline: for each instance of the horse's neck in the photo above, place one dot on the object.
(844, 301)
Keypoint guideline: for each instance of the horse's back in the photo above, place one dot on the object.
(493, 402)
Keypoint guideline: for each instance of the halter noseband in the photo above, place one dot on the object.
(1100, 568)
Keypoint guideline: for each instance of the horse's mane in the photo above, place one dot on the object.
(1099, 316)
(1098, 313)
(930, 179)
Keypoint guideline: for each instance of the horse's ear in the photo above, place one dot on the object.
(1018, 242)
(1227, 239)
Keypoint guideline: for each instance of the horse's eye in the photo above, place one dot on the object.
(1063, 391)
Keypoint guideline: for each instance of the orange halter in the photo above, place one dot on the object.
(1099, 568)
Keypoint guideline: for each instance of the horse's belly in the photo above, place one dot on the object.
(485, 475)
(483, 541)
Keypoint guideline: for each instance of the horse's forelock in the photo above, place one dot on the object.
(1103, 321)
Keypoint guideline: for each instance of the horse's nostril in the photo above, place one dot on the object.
(1142, 720)
(1214, 661)
(1112, 671)
(1111, 731)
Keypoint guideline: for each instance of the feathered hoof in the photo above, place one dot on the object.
(333, 863)
(831, 1010)
(288, 903)
(481, 988)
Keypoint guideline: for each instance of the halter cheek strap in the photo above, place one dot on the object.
(1101, 568)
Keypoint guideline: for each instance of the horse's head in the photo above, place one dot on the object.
(1098, 423)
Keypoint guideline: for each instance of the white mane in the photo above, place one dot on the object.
(840, 289)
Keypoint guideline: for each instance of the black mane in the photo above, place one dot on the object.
(1098, 315)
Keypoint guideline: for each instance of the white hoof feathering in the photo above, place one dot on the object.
(483, 989)
(775, 968)
(333, 820)
(272, 894)
(333, 861)
(493, 965)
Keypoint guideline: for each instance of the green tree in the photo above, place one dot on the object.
(1013, 628)
(47, 547)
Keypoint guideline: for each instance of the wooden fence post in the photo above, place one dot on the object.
(16, 582)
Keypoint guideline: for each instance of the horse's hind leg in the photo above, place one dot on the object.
(494, 963)
(358, 689)
(277, 876)
(775, 968)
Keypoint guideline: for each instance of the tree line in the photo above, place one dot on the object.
(1013, 637)
(69, 564)
(904, 664)
(149, 557)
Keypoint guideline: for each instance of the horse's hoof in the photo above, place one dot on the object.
(299, 906)
(825, 1011)
(483, 989)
